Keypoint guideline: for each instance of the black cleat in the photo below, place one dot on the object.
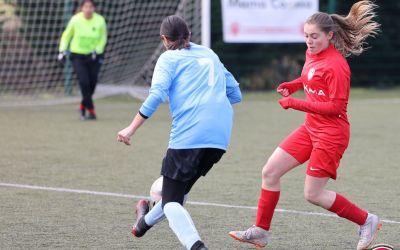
(91, 117)
(82, 114)
(198, 245)
(140, 227)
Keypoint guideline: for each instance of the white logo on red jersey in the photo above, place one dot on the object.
(310, 73)
(313, 91)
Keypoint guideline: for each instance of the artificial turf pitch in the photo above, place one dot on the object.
(48, 146)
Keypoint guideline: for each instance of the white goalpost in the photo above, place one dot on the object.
(206, 23)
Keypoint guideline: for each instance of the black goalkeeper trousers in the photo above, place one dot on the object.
(87, 71)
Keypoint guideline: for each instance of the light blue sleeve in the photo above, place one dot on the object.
(160, 84)
(232, 87)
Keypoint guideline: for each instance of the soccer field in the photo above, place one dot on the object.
(68, 184)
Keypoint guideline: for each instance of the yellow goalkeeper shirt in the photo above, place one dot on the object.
(84, 35)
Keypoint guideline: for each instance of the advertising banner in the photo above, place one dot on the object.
(265, 21)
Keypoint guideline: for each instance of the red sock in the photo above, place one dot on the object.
(92, 111)
(345, 209)
(266, 207)
(81, 107)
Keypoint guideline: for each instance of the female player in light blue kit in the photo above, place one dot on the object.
(201, 93)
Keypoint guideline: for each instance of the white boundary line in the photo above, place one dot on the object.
(102, 90)
(78, 191)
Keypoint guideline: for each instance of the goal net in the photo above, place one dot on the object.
(30, 31)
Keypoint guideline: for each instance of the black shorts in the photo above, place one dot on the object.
(186, 164)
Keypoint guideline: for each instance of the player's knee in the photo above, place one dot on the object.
(312, 196)
(165, 203)
(269, 175)
(171, 207)
(176, 199)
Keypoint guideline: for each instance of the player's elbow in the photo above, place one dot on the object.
(235, 96)
(338, 108)
(334, 112)
(238, 97)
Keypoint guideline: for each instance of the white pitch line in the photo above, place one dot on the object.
(79, 191)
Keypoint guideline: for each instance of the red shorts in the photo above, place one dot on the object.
(324, 157)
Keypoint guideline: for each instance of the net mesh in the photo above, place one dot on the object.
(30, 31)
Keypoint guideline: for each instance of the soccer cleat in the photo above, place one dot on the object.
(140, 227)
(368, 231)
(82, 113)
(198, 245)
(91, 117)
(254, 235)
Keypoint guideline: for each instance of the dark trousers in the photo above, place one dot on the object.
(87, 70)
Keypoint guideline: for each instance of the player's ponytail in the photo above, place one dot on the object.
(175, 29)
(351, 31)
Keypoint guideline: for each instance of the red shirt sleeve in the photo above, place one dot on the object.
(333, 107)
(292, 86)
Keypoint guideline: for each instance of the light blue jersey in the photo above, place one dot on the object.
(200, 92)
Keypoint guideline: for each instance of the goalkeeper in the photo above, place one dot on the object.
(86, 38)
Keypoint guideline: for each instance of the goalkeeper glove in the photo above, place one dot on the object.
(62, 56)
(94, 55)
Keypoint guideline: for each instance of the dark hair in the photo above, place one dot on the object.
(349, 31)
(87, 1)
(175, 29)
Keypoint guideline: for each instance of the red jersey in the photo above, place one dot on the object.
(326, 77)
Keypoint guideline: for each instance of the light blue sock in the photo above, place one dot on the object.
(156, 214)
(181, 223)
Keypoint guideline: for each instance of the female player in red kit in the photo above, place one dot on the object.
(324, 136)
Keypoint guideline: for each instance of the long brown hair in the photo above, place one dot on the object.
(351, 31)
(175, 29)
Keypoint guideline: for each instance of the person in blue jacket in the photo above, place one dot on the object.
(201, 92)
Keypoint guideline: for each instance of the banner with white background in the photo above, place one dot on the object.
(265, 21)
